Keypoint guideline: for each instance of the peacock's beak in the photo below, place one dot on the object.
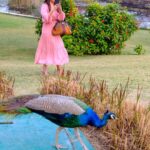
(116, 118)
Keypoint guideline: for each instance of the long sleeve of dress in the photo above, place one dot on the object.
(45, 14)
(61, 16)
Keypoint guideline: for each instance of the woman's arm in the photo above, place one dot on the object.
(61, 15)
(46, 15)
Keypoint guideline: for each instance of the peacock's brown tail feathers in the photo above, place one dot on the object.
(12, 105)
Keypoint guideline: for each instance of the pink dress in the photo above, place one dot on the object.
(51, 50)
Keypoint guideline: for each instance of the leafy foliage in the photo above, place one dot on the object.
(102, 30)
(69, 7)
(139, 49)
(38, 27)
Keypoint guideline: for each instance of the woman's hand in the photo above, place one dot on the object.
(54, 8)
(59, 8)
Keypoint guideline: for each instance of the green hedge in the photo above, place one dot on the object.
(69, 8)
(101, 30)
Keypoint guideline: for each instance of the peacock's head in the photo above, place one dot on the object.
(110, 115)
(97, 122)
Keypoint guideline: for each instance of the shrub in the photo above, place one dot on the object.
(76, 43)
(139, 49)
(102, 30)
(132, 129)
(69, 8)
(38, 27)
(6, 86)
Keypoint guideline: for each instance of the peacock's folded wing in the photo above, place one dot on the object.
(57, 104)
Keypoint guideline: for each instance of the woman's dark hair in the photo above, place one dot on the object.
(48, 3)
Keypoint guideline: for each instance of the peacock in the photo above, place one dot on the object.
(65, 111)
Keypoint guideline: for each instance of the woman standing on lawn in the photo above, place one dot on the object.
(51, 50)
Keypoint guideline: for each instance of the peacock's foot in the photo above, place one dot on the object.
(59, 147)
(73, 140)
(84, 147)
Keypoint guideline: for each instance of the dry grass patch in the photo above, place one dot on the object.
(130, 132)
(6, 86)
(69, 85)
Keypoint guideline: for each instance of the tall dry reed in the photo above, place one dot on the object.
(6, 86)
(130, 132)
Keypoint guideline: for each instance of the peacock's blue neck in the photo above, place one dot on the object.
(91, 118)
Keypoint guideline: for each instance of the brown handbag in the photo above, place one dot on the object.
(61, 28)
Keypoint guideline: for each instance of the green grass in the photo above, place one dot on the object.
(18, 44)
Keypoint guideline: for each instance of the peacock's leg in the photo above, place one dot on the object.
(58, 147)
(79, 138)
(70, 139)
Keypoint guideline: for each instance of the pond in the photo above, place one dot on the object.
(5, 8)
(143, 20)
(4, 5)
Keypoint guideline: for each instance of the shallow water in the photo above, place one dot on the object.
(4, 7)
(144, 21)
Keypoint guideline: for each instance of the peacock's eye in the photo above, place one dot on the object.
(112, 116)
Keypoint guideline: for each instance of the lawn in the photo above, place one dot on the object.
(18, 44)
